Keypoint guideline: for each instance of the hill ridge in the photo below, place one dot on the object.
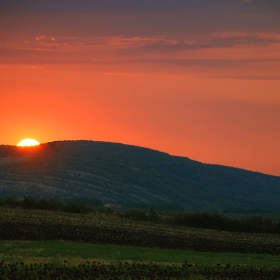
(118, 172)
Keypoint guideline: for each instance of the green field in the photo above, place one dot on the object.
(75, 253)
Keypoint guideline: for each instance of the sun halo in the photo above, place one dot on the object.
(28, 143)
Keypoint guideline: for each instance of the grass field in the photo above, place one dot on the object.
(76, 253)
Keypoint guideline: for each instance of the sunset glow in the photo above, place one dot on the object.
(28, 143)
(198, 79)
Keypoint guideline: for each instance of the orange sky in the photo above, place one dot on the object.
(192, 79)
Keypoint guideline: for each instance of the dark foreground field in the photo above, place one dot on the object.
(16, 224)
(134, 271)
(102, 229)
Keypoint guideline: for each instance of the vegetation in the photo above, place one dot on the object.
(76, 253)
(206, 220)
(217, 221)
(127, 174)
(99, 228)
(141, 271)
(137, 250)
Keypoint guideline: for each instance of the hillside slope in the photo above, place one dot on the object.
(117, 172)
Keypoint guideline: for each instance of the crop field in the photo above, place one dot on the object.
(133, 271)
(55, 245)
(103, 229)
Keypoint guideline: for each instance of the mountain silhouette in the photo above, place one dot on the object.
(114, 172)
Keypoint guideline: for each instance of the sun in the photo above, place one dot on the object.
(28, 143)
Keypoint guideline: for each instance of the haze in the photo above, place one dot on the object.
(199, 79)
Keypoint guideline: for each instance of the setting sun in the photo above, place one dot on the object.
(28, 143)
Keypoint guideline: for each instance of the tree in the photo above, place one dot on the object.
(152, 214)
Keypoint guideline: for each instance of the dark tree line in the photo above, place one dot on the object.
(52, 204)
(206, 220)
(214, 220)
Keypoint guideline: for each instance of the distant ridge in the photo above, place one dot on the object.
(114, 172)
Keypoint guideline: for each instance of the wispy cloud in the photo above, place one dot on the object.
(203, 62)
(213, 41)
(45, 38)
(248, 77)
(20, 66)
(136, 74)
(141, 50)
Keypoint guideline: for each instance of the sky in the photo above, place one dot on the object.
(193, 78)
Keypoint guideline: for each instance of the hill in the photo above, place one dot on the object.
(114, 172)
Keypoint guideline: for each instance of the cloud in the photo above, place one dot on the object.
(233, 77)
(217, 41)
(44, 38)
(140, 50)
(248, 77)
(20, 66)
(202, 62)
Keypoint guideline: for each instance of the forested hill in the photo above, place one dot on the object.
(115, 172)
